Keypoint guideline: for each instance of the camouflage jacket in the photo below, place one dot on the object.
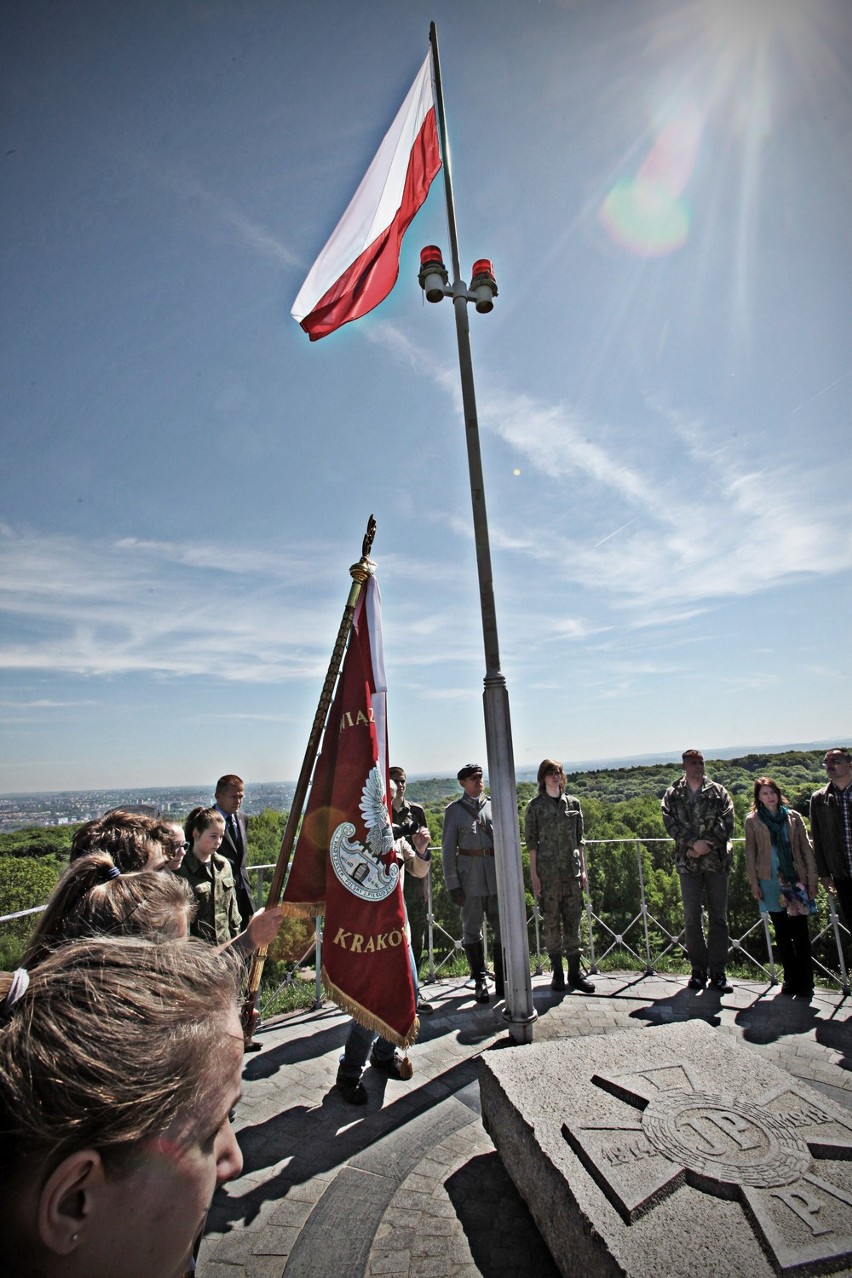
(553, 828)
(709, 814)
(212, 883)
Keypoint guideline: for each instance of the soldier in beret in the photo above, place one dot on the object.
(467, 850)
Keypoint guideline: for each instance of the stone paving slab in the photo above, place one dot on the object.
(410, 1185)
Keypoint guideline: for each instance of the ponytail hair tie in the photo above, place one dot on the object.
(113, 872)
(16, 991)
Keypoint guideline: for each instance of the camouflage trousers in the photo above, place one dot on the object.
(561, 905)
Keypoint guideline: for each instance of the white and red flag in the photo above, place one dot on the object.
(345, 865)
(360, 263)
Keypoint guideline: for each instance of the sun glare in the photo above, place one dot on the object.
(749, 64)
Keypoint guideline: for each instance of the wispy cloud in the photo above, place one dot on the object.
(184, 609)
(699, 528)
(44, 703)
(227, 213)
(704, 529)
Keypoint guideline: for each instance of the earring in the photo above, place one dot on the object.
(75, 1237)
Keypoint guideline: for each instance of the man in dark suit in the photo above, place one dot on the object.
(229, 796)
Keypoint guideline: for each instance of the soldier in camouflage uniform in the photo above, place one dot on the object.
(211, 878)
(699, 815)
(553, 826)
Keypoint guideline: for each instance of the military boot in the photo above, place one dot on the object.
(557, 981)
(575, 979)
(476, 962)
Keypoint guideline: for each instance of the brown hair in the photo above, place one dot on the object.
(758, 786)
(199, 819)
(228, 780)
(544, 769)
(130, 838)
(112, 1042)
(91, 899)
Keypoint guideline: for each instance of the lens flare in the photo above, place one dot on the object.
(648, 214)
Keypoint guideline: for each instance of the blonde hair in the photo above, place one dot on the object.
(92, 898)
(112, 1041)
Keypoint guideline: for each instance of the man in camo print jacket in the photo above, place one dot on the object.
(699, 815)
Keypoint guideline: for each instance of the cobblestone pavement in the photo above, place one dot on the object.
(410, 1185)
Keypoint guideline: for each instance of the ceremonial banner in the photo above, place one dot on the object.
(360, 263)
(345, 864)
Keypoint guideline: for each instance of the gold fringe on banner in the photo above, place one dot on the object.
(367, 1018)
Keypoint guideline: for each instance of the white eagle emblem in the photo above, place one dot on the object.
(359, 866)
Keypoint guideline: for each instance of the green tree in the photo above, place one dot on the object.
(265, 832)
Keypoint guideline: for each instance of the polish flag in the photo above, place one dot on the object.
(360, 263)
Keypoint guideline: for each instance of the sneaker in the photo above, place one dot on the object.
(719, 983)
(352, 1090)
(482, 995)
(389, 1065)
(698, 979)
(424, 1008)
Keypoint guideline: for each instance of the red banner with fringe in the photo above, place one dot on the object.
(344, 864)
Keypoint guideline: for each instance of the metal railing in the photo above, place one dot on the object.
(645, 937)
(648, 928)
(644, 931)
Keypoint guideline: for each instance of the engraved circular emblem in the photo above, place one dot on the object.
(359, 872)
(724, 1142)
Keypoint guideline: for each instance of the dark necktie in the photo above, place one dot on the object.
(234, 830)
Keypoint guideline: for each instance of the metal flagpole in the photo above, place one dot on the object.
(519, 1011)
(359, 573)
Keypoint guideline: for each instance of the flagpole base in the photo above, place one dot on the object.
(520, 1027)
(519, 1011)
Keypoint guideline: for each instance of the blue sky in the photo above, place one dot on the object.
(663, 385)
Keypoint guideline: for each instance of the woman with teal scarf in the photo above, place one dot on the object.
(784, 879)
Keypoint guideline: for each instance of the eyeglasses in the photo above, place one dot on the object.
(181, 847)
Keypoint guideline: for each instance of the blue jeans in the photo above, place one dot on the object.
(359, 1040)
(713, 951)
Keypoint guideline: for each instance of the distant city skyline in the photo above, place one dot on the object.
(663, 384)
(255, 790)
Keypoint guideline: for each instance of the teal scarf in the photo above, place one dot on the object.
(779, 830)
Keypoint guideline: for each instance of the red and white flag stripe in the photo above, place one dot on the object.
(360, 263)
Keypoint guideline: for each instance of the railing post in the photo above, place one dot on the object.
(835, 923)
(773, 979)
(318, 961)
(430, 926)
(537, 924)
(649, 968)
(587, 896)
